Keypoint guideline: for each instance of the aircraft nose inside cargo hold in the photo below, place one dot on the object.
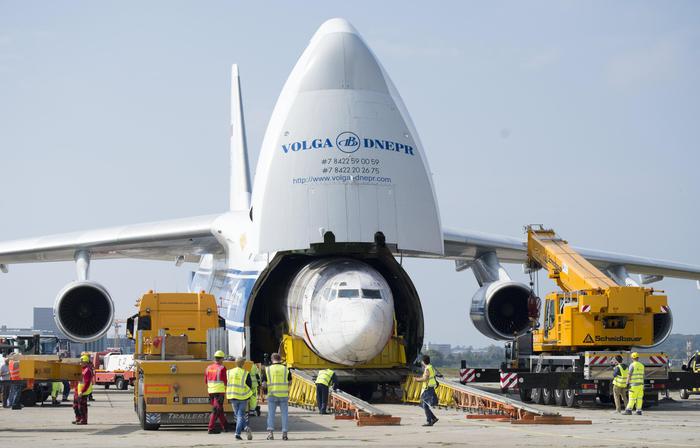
(342, 308)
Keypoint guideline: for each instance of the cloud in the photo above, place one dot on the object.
(659, 62)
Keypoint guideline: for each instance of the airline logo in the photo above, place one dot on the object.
(347, 142)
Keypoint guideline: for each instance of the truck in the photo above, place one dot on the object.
(38, 363)
(116, 370)
(692, 365)
(568, 357)
(175, 335)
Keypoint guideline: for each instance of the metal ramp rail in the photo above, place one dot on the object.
(302, 393)
(485, 405)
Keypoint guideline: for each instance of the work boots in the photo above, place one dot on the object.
(270, 436)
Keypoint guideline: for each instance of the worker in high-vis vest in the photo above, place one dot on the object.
(238, 392)
(635, 382)
(82, 391)
(276, 379)
(428, 397)
(92, 367)
(253, 406)
(619, 384)
(325, 379)
(15, 400)
(215, 376)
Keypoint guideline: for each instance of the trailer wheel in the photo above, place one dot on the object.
(684, 394)
(547, 393)
(142, 417)
(121, 384)
(559, 393)
(525, 395)
(570, 398)
(536, 396)
(28, 398)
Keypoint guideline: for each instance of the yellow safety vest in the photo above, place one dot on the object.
(324, 377)
(236, 387)
(80, 389)
(431, 378)
(277, 384)
(637, 377)
(621, 379)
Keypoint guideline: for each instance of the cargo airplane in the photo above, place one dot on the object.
(342, 166)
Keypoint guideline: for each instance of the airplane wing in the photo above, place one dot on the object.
(468, 245)
(164, 240)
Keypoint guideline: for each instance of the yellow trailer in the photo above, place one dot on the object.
(170, 330)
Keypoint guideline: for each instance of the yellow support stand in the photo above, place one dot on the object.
(298, 355)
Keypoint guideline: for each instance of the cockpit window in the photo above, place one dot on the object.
(348, 293)
(371, 294)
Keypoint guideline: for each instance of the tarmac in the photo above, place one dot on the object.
(113, 423)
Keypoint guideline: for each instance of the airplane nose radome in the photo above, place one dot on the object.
(335, 25)
(339, 59)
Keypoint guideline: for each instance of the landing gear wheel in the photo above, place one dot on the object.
(121, 384)
(106, 386)
(684, 394)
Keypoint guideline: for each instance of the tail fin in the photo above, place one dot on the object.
(240, 178)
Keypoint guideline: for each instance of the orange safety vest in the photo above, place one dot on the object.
(215, 385)
(14, 370)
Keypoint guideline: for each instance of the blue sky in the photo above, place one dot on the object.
(578, 115)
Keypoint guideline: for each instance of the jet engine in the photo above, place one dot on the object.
(500, 309)
(83, 311)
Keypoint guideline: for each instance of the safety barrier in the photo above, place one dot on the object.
(485, 405)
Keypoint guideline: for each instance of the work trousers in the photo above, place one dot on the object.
(636, 397)
(66, 390)
(428, 399)
(80, 407)
(6, 395)
(16, 395)
(240, 411)
(217, 411)
(321, 397)
(620, 397)
(253, 400)
(272, 403)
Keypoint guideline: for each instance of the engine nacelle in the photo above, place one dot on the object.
(663, 324)
(83, 311)
(500, 310)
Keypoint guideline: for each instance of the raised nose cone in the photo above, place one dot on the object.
(335, 25)
(339, 108)
(341, 60)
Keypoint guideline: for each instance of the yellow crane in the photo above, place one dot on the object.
(591, 310)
